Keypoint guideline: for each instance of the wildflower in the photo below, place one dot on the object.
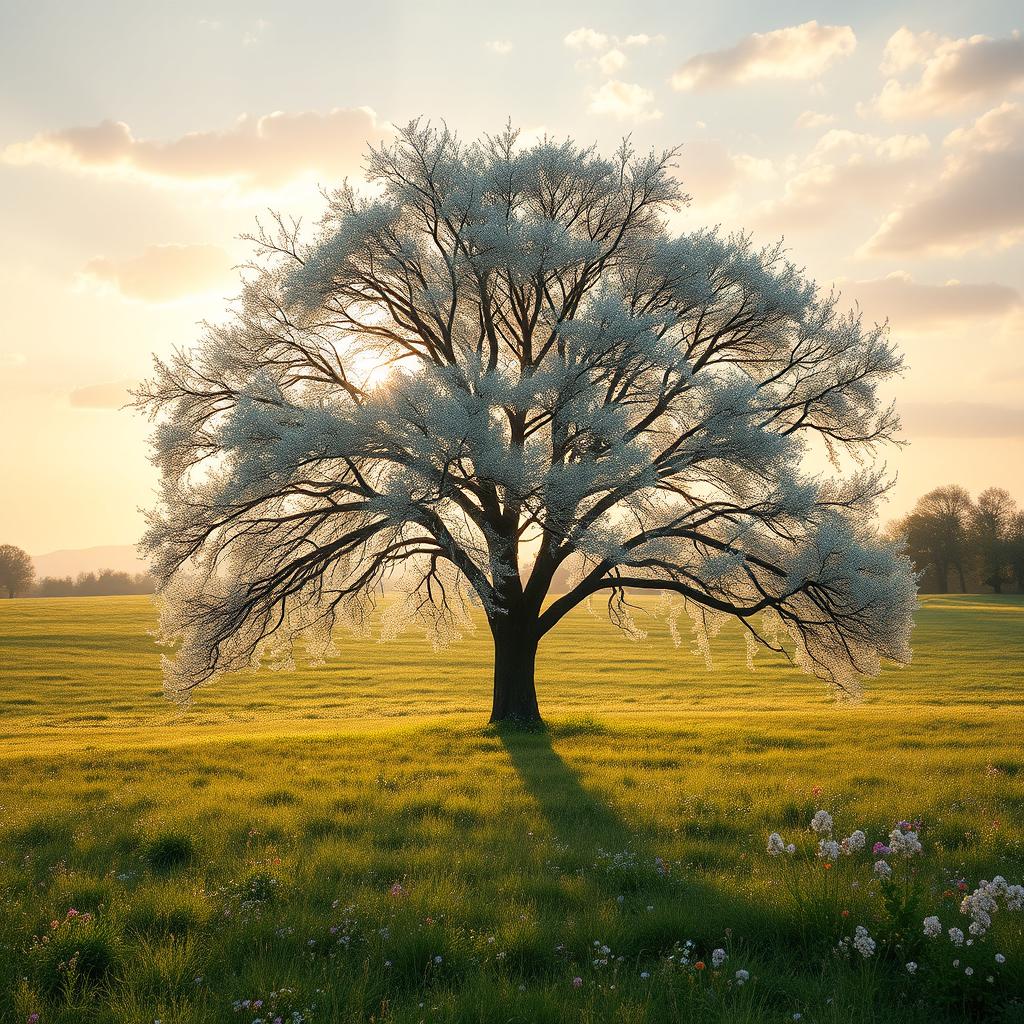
(645, 975)
(862, 941)
(911, 968)
(577, 982)
(1000, 959)
(699, 965)
(742, 976)
(822, 823)
(932, 927)
(855, 842)
(718, 958)
(968, 971)
(438, 959)
(906, 844)
(791, 848)
(828, 849)
(396, 890)
(776, 845)
(882, 869)
(956, 936)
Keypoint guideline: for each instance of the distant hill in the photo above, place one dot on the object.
(119, 557)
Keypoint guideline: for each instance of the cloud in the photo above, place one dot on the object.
(255, 151)
(111, 395)
(814, 119)
(256, 32)
(800, 51)
(845, 168)
(954, 73)
(961, 419)
(162, 273)
(612, 61)
(977, 198)
(710, 171)
(501, 47)
(586, 39)
(915, 304)
(626, 101)
(606, 52)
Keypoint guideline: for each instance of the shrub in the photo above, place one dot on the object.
(167, 852)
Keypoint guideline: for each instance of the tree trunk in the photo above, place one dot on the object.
(960, 573)
(515, 655)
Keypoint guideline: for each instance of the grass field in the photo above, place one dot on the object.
(352, 843)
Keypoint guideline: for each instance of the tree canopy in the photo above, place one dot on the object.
(16, 570)
(500, 365)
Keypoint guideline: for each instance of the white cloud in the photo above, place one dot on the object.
(501, 47)
(710, 172)
(256, 32)
(914, 304)
(626, 101)
(798, 52)
(954, 73)
(846, 170)
(255, 151)
(814, 119)
(643, 39)
(162, 273)
(977, 198)
(586, 39)
(611, 62)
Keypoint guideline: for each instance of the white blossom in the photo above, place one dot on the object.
(822, 823)
(932, 927)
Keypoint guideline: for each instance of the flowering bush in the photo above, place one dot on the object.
(962, 966)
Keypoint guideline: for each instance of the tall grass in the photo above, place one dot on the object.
(393, 859)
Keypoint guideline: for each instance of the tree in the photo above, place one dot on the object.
(1016, 550)
(938, 534)
(993, 518)
(16, 570)
(501, 364)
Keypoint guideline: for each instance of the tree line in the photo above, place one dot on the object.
(18, 579)
(955, 543)
(961, 544)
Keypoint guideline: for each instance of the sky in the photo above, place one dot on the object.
(883, 141)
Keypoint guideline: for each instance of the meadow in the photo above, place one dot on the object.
(351, 842)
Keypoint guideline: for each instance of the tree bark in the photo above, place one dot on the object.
(515, 657)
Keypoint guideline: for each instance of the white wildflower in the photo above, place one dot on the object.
(912, 968)
(854, 842)
(932, 927)
(882, 869)
(828, 849)
(718, 957)
(742, 976)
(862, 941)
(1000, 959)
(822, 823)
(956, 937)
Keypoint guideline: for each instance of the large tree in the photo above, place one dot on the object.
(499, 364)
(938, 532)
(16, 570)
(993, 522)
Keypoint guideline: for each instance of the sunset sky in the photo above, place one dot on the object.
(137, 141)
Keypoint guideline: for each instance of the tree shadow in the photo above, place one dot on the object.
(585, 823)
(575, 814)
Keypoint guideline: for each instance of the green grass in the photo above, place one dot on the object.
(224, 843)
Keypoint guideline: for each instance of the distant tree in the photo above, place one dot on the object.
(938, 533)
(16, 570)
(993, 519)
(105, 583)
(502, 364)
(1016, 550)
